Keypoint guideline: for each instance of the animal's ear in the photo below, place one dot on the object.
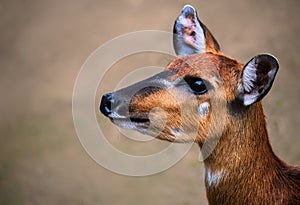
(191, 35)
(257, 78)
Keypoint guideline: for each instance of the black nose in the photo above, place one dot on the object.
(105, 105)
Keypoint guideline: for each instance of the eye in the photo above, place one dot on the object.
(196, 84)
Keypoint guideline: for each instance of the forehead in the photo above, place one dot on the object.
(205, 65)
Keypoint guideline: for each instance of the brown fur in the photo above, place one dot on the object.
(251, 172)
(254, 175)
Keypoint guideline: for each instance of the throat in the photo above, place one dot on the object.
(243, 160)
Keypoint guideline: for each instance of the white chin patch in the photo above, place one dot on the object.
(203, 109)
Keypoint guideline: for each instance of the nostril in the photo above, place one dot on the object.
(105, 105)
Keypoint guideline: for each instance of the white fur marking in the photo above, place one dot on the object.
(213, 178)
(203, 109)
(249, 79)
(249, 76)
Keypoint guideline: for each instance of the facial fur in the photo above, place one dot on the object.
(185, 116)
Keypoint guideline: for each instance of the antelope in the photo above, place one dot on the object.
(221, 97)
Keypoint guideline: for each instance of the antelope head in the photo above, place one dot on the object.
(197, 93)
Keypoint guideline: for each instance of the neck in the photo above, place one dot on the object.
(243, 160)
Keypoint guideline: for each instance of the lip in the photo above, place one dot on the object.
(139, 119)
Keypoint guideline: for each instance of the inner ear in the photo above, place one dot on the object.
(191, 35)
(257, 78)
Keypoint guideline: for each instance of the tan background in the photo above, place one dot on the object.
(43, 45)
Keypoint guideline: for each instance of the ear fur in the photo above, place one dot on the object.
(257, 78)
(191, 36)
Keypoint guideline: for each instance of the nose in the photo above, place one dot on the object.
(105, 105)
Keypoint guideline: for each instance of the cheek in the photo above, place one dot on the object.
(203, 109)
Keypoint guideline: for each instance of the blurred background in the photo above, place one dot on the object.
(43, 45)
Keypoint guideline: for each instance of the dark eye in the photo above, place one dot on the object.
(197, 85)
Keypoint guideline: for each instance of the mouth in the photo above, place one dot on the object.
(140, 120)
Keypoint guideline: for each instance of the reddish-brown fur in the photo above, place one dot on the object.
(251, 172)
(254, 175)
